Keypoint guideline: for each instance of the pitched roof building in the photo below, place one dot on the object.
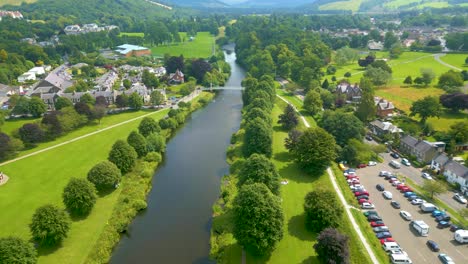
(128, 50)
(384, 108)
(177, 77)
(423, 150)
(352, 92)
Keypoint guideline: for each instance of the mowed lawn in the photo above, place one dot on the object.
(297, 243)
(200, 47)
(132, 34)
(352, 5)
(457, 60)
(40, 179)
(11, 125)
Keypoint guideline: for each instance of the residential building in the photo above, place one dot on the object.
(27, 76)
(352, 93)
(422, 150)
(381, 128)
(72, 30)
(373, 45)
(177, 77)
(12, 14)
(438, 162)
(128, 50)
(456, 173)
(384, 108)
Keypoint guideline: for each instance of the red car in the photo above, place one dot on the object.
(362, 165)
(350, 177)
(361, 201)
(400, 186)
(392, 180)
(353, 182)
(406, 189)
(377, 223)
(388, 239)
(361, 193)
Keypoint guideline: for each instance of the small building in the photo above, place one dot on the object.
(373, 45)
(72, 30)
(352, 93)
(423, 150)
(384, 108)
(177, 77)
(380, 128)
(456, 173)
(438, 162)
(38, 70)
(27, 76)
(128, 50)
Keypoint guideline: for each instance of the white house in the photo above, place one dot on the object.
(37, 70)
(456, 173)
(27, 76)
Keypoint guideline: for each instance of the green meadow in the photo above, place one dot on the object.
(200, 47)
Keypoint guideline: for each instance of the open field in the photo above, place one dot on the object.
(352, 5)
(132, 34)
(457, 60)
(398, 3)
(434, 5)
(403, 97)
(40, 179)
(200, 47)
(15, 2)
(11, 125)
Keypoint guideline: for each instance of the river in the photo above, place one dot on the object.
(175, 228)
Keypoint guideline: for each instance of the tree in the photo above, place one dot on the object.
(434, 187)
(8, 146)
(254, 112)
(259, 169)
(291, 142)
(62, 102)
(21, 107)
(322, 210)
(366, 61)
(135, 101)
(258, 219)
(258, 138)
(37, 107)
(31, 133)
(332, 247)
(155, 143)
(390, 39)
(98, 112)
(174, 63)
(121, 101)
(50, 225)
(325, 84)
(382, 65)
(315, 149)
(14, 250)
(199, 68)
(87, 99)
(396, 50)
(427, 75)
(104, 175)
(138, 142)
(123, 156)
(408, 80)
(289, 119)
(451, 79)
(342, 126)
(346, 55)
(455, 101)
(156, 98)
(378, 76)
(147, 126)
(79, 196)
(83, 108)
(366, 109)
(149, 79)
(427, 107)
(127, 84)
(459, 132)
(313, 102)
(101, 101)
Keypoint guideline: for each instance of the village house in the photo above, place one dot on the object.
(31, 75)
(384, 108)
(382, 128)
(352, 93)
(12, 14)
(128, 50)
(453, 170)
(422, 150)
(373, 45)
(177, 77)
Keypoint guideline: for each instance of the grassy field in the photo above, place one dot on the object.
(457, 60)
(132, 34)
(200, 47)
(30, 188)
(11, 125)
(398, 3)
(352, 5)
(403, 97)
(15, 2)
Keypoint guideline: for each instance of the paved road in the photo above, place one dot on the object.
(415, 175)
(414, 245)
(437, 58)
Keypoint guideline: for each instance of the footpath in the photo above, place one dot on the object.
(347, 207)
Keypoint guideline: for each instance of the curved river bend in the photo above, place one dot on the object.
(175, 228)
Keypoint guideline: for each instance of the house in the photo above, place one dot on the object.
(373, 45)
(72, 30)
(27, 76)
(380, 128)
(49, 99)
(177, 77)
(73, 97)
(12, 14)
(423, 150)
(37, 70)
(352, 93)
(438, 162)
(461, 147)
(128, 50)
(384, 108)
(456, 173)
(109, 95)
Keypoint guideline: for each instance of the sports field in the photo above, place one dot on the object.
(200, 47)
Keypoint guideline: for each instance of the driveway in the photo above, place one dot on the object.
(413, 244)
(415, 175)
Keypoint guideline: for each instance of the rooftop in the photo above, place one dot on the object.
(126, 48)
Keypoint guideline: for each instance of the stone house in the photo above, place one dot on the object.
(423, 150)
(384, 108)
(352, 93)
(177, 77)
(381, 128)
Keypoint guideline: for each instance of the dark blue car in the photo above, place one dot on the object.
(383, 235)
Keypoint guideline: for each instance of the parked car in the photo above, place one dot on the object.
(367, 213)
(353, 181)
(362, 197)
(443, 224)
(361, 193)
(454, 228)
(400, 186)
(385, 240)
(349, 171)
(405, 215)
(396, 183)
(384, 173)
(395, 204)
(387, 195)
(433, 245)
(436, 213)
(395, 155)
(389, 177)
(458, 197)
(377, 223)
(408, 194)
(371, 163)
(368, 137)
(383, 235)
(352, 176)
(380, 187)
(417, 201)
(426, 176)
(374, 218)
(446, 259)
(367, 206)
(442, 218)
(413, 197)
(362, 165)
(357, 188)
(380, 229)
(405, 162)
(406, 189)
(361, 201)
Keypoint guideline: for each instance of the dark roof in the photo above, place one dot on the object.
(419, 145)
(457, 169)
(441, 159)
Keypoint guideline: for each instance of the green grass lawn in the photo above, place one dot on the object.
(40, 179)
(15, 2)
(352, 5)
(297, 102)
(11, 125)
(132, 34)
(200, 47)
(457, 60)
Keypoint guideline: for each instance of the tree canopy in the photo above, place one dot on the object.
(258, 138)
(123, 156)
(289, 118)
(343, 126)
(104, 175)
(259, 169)
(322, 210)
(79, 196)
(427, 107)
(332, 247)
(15, 250)
(313, 102)
(50, 225)
(138, 142)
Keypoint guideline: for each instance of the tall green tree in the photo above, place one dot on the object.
(135, 101)
(155, 143)
(258, 219)
(258, 138)
(148, 125)
(79, 196)
(289, 118)
(50, 225)
(342, 126)
(104, 175)
(332, 247)
(259, 169)
(313, 102)
(156, 98)
(123, 156)
(427, 76)
(138, 142)
(434, 187)
(427, 107)
(367, 109)
(14, 250)
(451, 79)
(62, 102)
(322, 210)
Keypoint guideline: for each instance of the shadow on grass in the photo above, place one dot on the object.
(47, 250)
(310, 260)
(297, 228)
(104, 193)
(283, 157)
(293, 172)
(77, 218)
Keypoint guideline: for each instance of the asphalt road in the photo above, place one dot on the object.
(413, 244)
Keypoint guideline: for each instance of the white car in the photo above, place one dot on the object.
(395, 183)
(384, 173)
(459, 198)
(367, 206)
(417, 201)
(426, 176)
(405, 215)
(387, 195)
(372, 163)
(405, 162)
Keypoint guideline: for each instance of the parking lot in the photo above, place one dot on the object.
(408, 239)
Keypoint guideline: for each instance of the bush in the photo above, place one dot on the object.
(322, 210)
(31, 133)
(347, 74)
(147, 126)
(164, 123)
(153, 157)
(123, 156)
(203, 101)
(105, 175)
(15, 250)
(79, 196)
(138, 142)
(139, 205)
(50, 225)
(332, 247)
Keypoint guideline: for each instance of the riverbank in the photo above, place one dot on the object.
(135, 187)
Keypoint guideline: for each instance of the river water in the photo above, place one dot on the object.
(175, 228)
